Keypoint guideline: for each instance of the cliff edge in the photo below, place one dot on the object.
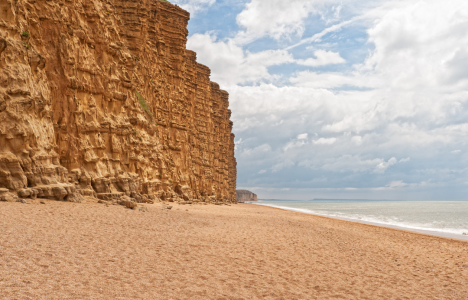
(101, 98)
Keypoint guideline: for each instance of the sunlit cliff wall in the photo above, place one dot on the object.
(101, 98)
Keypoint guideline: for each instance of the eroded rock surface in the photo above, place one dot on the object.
(101, 98)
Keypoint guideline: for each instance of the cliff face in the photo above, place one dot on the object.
(244, 196)
(101, 98)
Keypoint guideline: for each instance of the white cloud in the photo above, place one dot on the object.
(383, 166)
(230, 64)
(396, 184)
(416, 43)
(357, 140)
(457, 67)
(194, 6)
(299, 141)
(275, 18)
(257, 150)
(323, 58)
(330, 80)
(324, 141)
(317, 37)
(406, 98)
(281, 19)
(281, 165)
(349, 163)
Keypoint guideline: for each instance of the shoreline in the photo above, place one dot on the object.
(447, 235)
(63, 250)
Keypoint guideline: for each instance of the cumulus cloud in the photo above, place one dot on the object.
(324, 141)
(457, 67)
(299, 141)
(396, 184)
(281, 165)
(275, 18)
(383, 166)
(349, 163)
(356, 140)
(194, 6)
(333, 80)
(285, 19)
(231, 64)
(323, 58)
(415, 43)
(255, 152)
(392, 120)
(318, 36)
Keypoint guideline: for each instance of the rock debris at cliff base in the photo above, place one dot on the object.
(101, 98)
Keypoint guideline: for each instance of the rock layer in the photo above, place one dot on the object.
(101, 98)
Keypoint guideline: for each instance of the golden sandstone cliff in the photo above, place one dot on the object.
(101, 98)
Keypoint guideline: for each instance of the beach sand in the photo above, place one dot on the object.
(91, 251)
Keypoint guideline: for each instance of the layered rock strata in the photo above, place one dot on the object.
(101, 98)
(245, 196)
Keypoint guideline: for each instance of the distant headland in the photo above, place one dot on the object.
(245, 196)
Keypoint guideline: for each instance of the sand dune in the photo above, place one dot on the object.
(89, 251)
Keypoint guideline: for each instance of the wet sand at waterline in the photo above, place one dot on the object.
(91, 251)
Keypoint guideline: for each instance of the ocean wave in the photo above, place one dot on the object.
(387, 221)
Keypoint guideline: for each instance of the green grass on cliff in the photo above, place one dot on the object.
(144, 105)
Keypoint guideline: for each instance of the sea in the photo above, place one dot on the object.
(442, 218)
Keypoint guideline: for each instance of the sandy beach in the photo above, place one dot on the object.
(60, 250)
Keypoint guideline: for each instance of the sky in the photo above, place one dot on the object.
(342, 99)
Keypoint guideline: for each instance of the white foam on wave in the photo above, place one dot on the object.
(382, 221)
